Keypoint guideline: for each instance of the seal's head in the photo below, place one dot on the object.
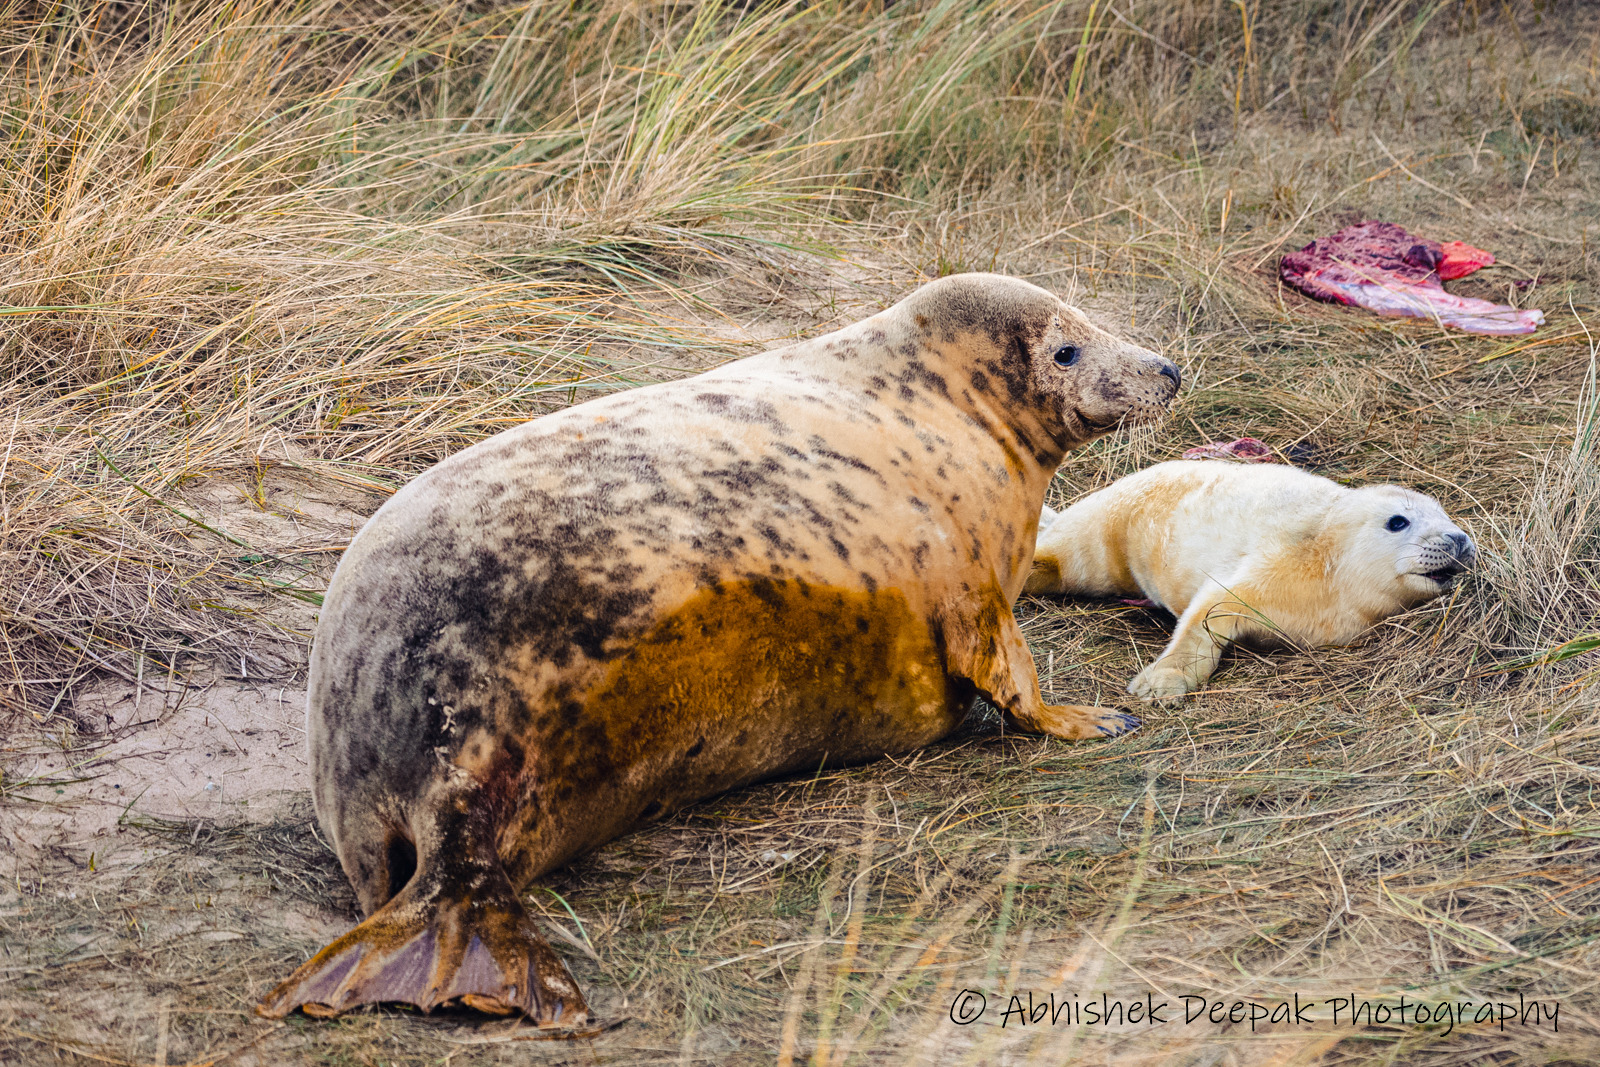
(1040, 359)
(1401, 544)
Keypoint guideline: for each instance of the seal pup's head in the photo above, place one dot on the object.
(1009, 345)
(1399, 545)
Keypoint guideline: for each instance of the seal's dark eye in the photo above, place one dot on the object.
(1067, 355)
(1396, 523)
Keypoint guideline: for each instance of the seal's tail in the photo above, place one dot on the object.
(434, 944)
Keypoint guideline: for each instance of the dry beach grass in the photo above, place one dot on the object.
(265, 261)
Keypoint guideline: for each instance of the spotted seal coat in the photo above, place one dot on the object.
(601, 615)
(1264, 554)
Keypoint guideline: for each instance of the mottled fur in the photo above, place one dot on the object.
(599, 616)
(1247, 552)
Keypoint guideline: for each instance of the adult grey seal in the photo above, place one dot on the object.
(599, 616)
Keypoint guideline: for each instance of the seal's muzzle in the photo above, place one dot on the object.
(1448, 558)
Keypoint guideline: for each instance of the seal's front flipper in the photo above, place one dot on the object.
(1075, 722)
(991, 652)
(471, 942)
(1044, 577)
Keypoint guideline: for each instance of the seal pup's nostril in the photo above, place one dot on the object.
(1461, 545)
(1170, 370)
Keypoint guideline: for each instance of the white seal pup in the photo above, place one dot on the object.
(1264, 554)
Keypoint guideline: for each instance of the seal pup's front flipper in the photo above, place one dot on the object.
(456, 932)
(991, 652)
(1217, 616)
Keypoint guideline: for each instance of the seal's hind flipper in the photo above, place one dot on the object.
(478, 948)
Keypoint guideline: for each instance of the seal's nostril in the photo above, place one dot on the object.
(1169, 370)
(1462, 543)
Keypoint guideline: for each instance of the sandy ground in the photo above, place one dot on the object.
(149, 833)
(221, 753)
(218, 744)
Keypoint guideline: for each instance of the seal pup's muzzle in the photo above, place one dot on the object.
(1447, 557)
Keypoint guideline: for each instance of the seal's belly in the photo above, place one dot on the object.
(743, 681)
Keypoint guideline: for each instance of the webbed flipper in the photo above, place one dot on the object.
(479, 948)
(455, 933)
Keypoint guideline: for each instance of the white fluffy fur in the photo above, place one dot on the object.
(1248, 552)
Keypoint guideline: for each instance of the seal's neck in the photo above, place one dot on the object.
(900, 359)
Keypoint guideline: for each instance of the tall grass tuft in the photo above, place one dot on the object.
(1543, 578)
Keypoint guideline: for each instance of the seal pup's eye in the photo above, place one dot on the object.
(1067, 355)
(1396, 523)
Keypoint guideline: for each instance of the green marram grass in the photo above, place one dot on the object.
(257, 253)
